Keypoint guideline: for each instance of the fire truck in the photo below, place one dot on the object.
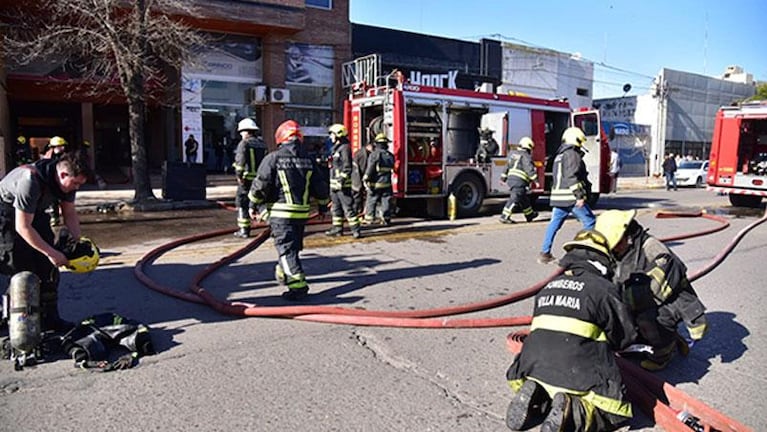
(435, 133)
(738, 158)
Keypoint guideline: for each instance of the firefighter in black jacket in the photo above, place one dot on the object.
(378, 180)
(341, 183)
(280, 193)
(520, 172)
(248, 155)
(566, 370)
(359, 166)
(655, 287)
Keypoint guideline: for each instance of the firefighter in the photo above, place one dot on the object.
(280, 193)
(359, 166)
(248, 155)
(56, 147)
(520, 171)
(488, 146)
(655, 287)
(26, 238)
(23, 155)
(566, 374)
(378, 181)
(569, 191)
(341, 183)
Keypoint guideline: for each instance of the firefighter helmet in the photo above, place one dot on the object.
(613, 224)
(382, 141)
(526, 143)
(338, 130)
(574, 136)
(247, 124)
(589, 239)
(288, 131)
(84, 258)
(22, 140)
(86, 143)
(57, 141)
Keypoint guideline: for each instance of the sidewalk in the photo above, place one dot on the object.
(222, 187)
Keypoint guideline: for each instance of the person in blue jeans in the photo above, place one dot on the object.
(669, 171)
(569, 190)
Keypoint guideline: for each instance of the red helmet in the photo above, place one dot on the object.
(287, 131)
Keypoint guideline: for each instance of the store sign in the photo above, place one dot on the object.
(434, 79)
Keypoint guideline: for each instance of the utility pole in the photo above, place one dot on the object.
(661, 91)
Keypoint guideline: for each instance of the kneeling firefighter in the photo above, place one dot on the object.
(566, 374)
(655, 287)
(280, 194)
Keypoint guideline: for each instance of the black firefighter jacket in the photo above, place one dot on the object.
(520, 170)
(379, 169)
(341, 171)
(247, 157)
(286, 179)
(570, 177)
(578, 323)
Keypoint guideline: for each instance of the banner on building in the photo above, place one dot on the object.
(191, 119)
(309, 64)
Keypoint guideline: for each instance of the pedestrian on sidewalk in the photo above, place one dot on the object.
(669, 171)
(615, 168)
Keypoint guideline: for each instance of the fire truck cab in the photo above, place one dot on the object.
(435, 134)
(738, 157)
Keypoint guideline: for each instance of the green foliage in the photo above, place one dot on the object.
(761, 93)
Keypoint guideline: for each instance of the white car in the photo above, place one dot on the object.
(692, 173)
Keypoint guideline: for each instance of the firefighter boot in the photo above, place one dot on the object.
(337, 230)
(356, 232)
(296, 294)
(560, 414)
(279, 275)
(51, 321)
(242, 233)
(530, 217)
(527, 407)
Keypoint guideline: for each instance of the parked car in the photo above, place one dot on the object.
(692, 173)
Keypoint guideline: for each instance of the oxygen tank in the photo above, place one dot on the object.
(452, 207)
(24, 326)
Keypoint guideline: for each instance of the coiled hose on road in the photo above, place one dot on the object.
(425, 318)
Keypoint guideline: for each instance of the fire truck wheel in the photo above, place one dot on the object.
(469, 193)
(751, 201)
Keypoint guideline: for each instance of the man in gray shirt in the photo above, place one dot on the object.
(26, 237)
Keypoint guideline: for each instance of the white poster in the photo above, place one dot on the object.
(191, 120)
(309, 64)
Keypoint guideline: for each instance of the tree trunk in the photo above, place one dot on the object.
(137, 119)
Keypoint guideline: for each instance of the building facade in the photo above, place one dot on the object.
(270, 60)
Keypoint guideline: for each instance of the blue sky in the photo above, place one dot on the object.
(628, 41)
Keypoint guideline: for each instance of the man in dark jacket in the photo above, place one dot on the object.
(248, 155)
(669, 171)
(341, 183)
(359, 166)
(378, 181)
(655, 287)
(520, 171)
(569, 190)
(26, 238)
(566, 370)
(280, 193)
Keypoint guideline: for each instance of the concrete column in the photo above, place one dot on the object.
(274, 77)
(7, 140)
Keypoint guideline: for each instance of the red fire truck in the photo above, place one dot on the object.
(434, 135)
(738, 158)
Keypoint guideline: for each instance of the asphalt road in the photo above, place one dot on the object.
(224, 373)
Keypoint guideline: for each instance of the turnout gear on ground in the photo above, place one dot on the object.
(579, 322)
(341, 183)
(248, 155)
(31, 189)
(656, 289)
(377, 180)
(520, 171)
(280, 194)
(108, 342)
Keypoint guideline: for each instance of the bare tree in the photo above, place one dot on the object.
(133, 47)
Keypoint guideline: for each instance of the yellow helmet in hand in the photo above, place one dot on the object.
(84, 258)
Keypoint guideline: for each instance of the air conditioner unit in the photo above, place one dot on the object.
(257, 95)
(279, 95)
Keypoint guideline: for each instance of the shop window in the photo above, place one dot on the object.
(320, 4)
(310, 95)
(314, 122)
(582, 92)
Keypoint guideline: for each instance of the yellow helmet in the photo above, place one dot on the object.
(589, 239)
(381, 139)
(84, 258)
(613, 224)
(338, 129)
(57, 141)
(526, 143)
(574, 136)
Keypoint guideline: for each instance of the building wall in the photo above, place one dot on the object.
(547, 74)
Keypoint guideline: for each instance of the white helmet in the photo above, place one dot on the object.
(526, 143)
(574, 136)
(247, 124)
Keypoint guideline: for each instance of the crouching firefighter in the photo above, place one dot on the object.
(248, 155)
(286, 180)
(107, 342)
(566, 374)
(655, 287)
(520, 171)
